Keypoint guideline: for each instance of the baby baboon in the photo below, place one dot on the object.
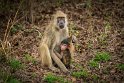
(66, 49)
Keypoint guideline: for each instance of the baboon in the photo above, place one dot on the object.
(56, 31)
(65, 49)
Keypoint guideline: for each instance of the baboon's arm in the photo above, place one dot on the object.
(57, 54)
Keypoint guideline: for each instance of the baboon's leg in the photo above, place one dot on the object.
(46, 58)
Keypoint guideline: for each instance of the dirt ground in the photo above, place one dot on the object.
(98, 27)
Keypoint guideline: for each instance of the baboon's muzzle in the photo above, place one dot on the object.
(61, 25)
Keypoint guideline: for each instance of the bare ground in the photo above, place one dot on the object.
(89, 24)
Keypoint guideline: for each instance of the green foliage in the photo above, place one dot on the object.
(99, 57)
(95, 77)
(50, 78)
(104, 35)
(4, 75)
(80, 74)
(120, 66)
(7, 77)
(15, 28)
(29, 58)
(93, 63)
(102, 56)
(13, 80)
(15, 64)
(107, 27)
(106, 71)
(2, 56)
(90, 44)
(78, 47)
(59, 3)
(102, 38)
(88, 4)
(78, 66)
(33, 75)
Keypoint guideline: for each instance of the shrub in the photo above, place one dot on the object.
(80, 74)
(15, 64)
(120, 66)
(50, 78)
(93, 63)
(102, 56)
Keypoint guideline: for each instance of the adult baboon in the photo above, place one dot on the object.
(56, 31)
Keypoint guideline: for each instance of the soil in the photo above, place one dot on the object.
(98, 26)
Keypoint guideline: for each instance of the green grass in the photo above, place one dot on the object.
(15, 64)
(79, 66)
(95, 77)
(99, 57)
(29, 58)
(15, 28)
(33, 75)
(4, 75)
(102, 56)
(93, 63)
(50, 78)
(13, 80)
(80, 74)
(120, 66)
(88, 4)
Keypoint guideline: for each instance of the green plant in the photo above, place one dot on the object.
(107, 27)
(95, 77)
(103, 38)
(4, 75)
(80, 74)
(13, 80)
(79, 66)
(33, 75)
(106, 71)
(50, 78)
(15, 28)
(88, 4)
(30, 58)
(90, 44)
(59, 2)
(102, 56)
(120, 66)
(93, 63)
(15, 64)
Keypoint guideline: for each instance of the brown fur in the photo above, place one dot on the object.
(53, 36)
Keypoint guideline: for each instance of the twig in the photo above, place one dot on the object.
(7, 29)
(4, 43)
(3, 48)
(13, 23)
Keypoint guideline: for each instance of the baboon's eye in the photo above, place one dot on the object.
(61, 22)
(60, 19)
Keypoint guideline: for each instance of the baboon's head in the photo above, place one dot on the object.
(60, 20)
